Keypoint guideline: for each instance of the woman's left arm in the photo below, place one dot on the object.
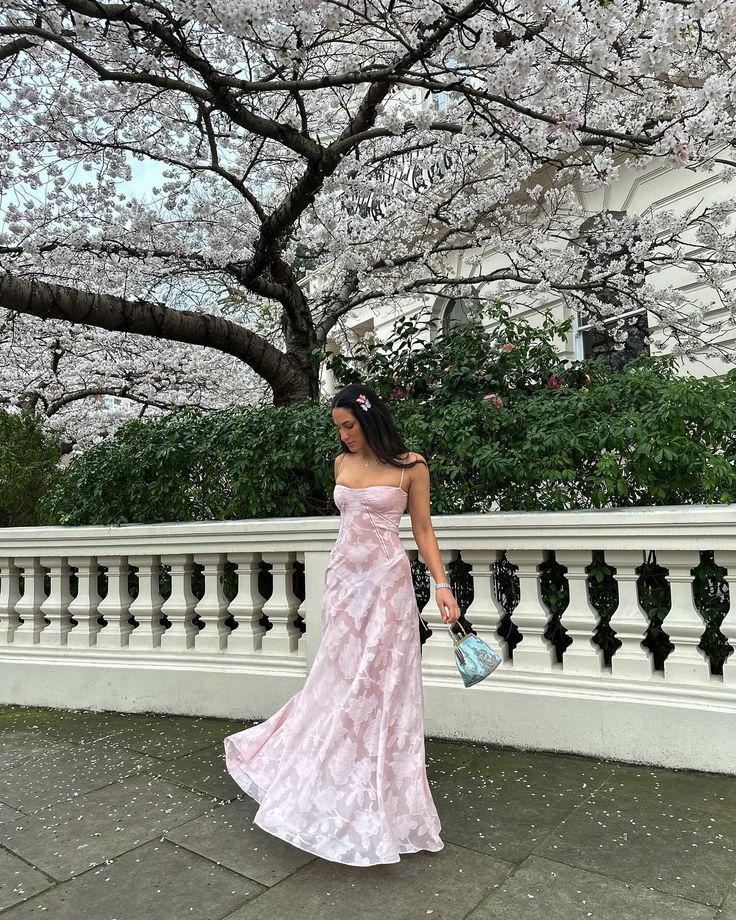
(426, 540)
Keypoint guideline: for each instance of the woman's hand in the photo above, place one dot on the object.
(449, 610)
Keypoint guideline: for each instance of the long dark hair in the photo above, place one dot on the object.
(377, 423)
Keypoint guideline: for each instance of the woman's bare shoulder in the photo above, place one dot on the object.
(413, 455)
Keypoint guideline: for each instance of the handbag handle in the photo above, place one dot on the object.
(454, 636)
(456, 642)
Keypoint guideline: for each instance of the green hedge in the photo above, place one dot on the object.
(28, 460)
(642, 437)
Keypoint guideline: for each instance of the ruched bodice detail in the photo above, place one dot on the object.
(370, 514)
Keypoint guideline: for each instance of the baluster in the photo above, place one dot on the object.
(179, 606)
(281, 607)
(84, 606)
(485, 612)
(316, 563)
(56, 605)
(29, 606)
(115, 605)
(534, 652)
(301, 612)
(728, 627)
(146, 608)
(9, 597)
(438, 649)
(247, 606)
(580, 619)
(212, 609)
(683, 624)
(629, 622)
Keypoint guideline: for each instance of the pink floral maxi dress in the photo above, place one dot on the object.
(339, 770)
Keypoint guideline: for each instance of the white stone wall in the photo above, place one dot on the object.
(54, 651)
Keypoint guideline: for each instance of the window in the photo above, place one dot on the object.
(621, 335)
(117, 402)
(454, 312)
(438, 101)
(591, 341)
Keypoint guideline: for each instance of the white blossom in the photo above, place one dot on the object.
(381, 168)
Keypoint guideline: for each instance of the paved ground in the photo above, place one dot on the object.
(131, 817)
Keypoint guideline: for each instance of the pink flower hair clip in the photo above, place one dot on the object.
(364, 401)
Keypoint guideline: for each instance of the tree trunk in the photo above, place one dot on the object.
(290, 374)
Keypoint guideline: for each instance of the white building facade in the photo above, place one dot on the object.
(656, 189)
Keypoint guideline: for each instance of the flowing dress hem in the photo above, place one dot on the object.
(310, 848)
(252, 789)
(237, 772)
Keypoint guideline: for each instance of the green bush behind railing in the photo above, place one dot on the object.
(28, 459)
(631, 439)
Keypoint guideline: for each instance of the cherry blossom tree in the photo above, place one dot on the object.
(318, 156)
(86, 382)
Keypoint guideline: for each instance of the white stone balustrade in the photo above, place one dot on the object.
(28, 608)
(213, 656)
(116, 604)
(83, 608)
(487, 611)
(438, 654)
(212, 609)
(531, 616)
(247, 606)
(9, 597)
(146, 608)
(180, 605)
(632, 659)
(684, 625)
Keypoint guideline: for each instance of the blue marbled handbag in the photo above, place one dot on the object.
(474, 659)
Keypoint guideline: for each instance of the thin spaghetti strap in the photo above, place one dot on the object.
(340, 458)
(402, 471)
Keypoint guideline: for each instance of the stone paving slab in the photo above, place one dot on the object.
(585, 838)
(672, 849)
(168, 737)
(711, 793)
(446, 885)
(68, 838)
(202, 771)
(728, 911)
(34, 718)
(162, 736)
(226, 835)
(159, 735)
(445, 757)
(540, 889)
(59, 724)
(18, 880)
(505, 802)
(157, 880)
(60, 770)
(21, 744)
(8, 814)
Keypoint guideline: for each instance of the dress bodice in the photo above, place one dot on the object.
(385, 500)
(370, 516)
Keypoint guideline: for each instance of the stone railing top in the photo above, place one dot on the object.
(686, 527)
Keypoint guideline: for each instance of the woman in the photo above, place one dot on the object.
(339, 770)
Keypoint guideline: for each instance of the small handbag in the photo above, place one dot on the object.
(475, 659)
